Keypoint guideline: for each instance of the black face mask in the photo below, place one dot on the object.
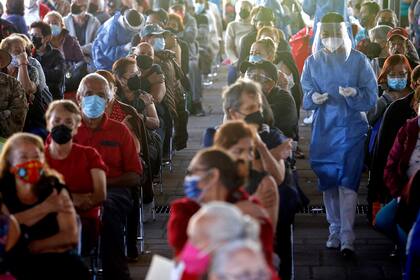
(76, 9)
(387, 23)
(93, 8)
(134, 83)
(244, 13)
(255, 118)
(37, 41)
(144, 61)
(61, 134)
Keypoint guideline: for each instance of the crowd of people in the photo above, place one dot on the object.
(96, 96)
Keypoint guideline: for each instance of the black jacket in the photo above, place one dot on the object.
(284, 110)
(394, 118)
(53, 64)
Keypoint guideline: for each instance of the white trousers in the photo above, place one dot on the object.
(340, 204)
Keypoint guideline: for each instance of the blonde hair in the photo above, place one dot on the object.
(56, 15)
(7, 42)
(275, 33)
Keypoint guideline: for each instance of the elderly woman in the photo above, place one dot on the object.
(239, 259)
(42, 206)
(126, 73)
(241, 140)
(204, 236)
(21, 67)
(61, 38)
(378, 35)
(214, 176)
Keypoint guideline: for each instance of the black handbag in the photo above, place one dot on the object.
(74, 75)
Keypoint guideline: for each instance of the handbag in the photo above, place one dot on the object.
(74, 75)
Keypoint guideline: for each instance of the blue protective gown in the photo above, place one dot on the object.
(110, 43)
(340, 124)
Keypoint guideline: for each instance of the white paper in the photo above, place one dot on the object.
(161, 268)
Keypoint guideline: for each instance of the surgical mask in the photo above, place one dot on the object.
(196, 261)
(397, 83)
(93, 106)
(28, 172)
(159, 44)
(55, 30)
(333, 43)
(255, 118)
(37, 41)
(255, 58)
(244, 13)
(61, 134)
(14, 62)
(199, 8)
(191, 189)
(144, 61)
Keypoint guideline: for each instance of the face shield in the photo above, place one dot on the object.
(332, 38)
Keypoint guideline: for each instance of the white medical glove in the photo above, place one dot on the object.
(347, 91)
(318, 98)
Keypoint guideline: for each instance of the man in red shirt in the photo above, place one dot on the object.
(115, 144)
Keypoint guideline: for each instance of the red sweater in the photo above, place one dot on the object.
(181, 212)
(395, 174)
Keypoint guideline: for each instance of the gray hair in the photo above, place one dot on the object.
(379, 33)
(227, 223)
(223, 256)
(98, 78)
(232, 95)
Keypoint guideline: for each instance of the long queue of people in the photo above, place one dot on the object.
(96, 97)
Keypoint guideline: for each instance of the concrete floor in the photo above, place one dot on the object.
(312, 260)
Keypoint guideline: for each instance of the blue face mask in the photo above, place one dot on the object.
(255, 58)
(397, 83)
(199, 8)
(158, 44)
(191, 188)
(14, 62)
(55, 30)
(93, 106)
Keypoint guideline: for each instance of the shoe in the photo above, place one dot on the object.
(333, 242)
(347, 250)
(309, 120)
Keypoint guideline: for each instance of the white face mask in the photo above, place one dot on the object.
(333, 43)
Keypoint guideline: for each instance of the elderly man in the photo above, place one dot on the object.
(13, 100)
(82, 25)
(116, 146)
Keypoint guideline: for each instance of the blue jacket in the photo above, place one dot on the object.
(111, 43)
(340, 124)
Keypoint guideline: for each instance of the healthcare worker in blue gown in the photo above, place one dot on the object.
(340, 86)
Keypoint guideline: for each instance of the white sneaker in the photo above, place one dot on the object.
(333, 242)
(309, 120)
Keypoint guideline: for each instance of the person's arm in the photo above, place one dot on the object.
(267, 193)
(392, 175)
(23, 75)
(268, 163)
(54, 203)
(88, 201)
(14, 116)
(67, 237)
(308, 86)
(230, 48)
(151, 119)
(13, 234)
(56, 74)
(282, 152)
(285, 114)
(366, 91)
(158, 87)
(129, 179)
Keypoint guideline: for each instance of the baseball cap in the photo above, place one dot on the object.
(152, 29)
(5, 59)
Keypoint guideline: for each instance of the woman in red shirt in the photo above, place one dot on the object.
(82, 167)
(214, 176)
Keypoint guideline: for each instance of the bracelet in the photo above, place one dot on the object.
(22, 64)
